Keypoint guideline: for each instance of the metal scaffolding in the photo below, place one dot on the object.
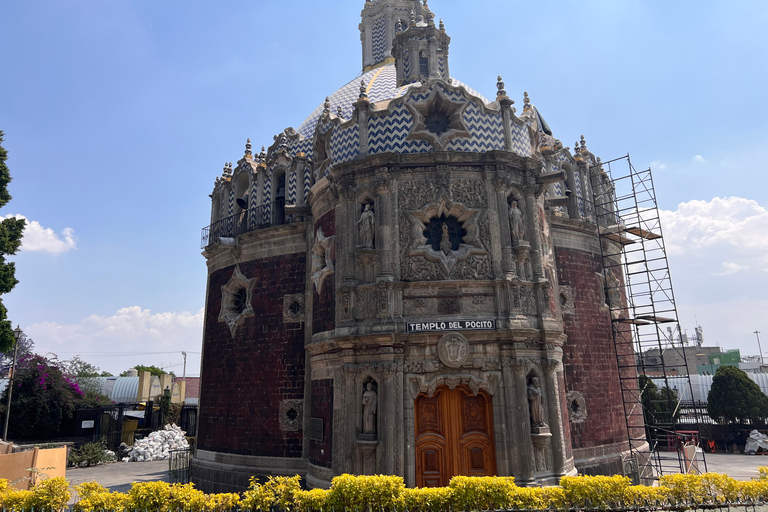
(639, 295)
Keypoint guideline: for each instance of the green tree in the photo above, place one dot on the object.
(11, 230)
(735, 397)
(84, 373)
(154, 370)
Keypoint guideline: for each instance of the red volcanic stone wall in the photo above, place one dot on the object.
(321, 452)
(244, 379)
(324, 304)
(589, 355)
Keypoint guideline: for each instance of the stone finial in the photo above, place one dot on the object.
(248, 147)
(399, 26)
(430, 19)
(599, 162)
(413, 18)
(327, 105)
(500, 86)
(263, 155)
(363, 91)
(227, 171)
(339, 111)
(526, 102)
(576, 148)
(442, 25)
(583, 143)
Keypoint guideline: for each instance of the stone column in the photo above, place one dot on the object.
(533, 234)
(556, 421)
(349, 212)
(390, 30)
(522, 423)
(367, 45)
(384, 231)
(507, 260)
(585, 189)
(573, 200)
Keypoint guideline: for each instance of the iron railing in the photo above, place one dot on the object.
(178, 465)
(269, 214)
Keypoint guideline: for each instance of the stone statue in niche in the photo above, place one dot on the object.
(516, 226)
(535, 403)
(370, 399)
(366, 229)
(445, 240)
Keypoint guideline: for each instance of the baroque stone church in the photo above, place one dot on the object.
(409, 283)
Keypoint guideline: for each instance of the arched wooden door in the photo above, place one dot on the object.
(454, 436)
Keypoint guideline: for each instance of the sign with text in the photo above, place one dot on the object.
(452, 325)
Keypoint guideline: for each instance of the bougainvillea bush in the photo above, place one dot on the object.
(44, 399)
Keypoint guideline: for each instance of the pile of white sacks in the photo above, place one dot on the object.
(157, 445)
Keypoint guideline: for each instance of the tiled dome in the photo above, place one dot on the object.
(381, 85)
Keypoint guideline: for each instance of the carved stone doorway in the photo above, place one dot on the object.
(454, 436)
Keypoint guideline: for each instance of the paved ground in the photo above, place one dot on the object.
(740, 467)
(119, 476)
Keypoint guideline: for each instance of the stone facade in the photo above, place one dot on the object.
(408, 284)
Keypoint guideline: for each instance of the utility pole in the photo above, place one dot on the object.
(184, 374)
(17, 333)
(757, 333)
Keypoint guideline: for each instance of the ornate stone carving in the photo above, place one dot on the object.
(236, 298)
(367, 302)
(293, 308)
(291, 414)
(421, 366)
(527, 300)
(577, 407)
(322, 262)
(453, 350)
(383, 297)
(470, 192)
(448, 306)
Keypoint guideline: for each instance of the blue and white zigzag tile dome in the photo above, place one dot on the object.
(381, 84)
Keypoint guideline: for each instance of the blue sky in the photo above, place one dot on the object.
(119, 115)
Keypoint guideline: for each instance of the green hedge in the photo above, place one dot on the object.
(389, 494)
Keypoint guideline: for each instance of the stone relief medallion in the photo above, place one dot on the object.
(577, 407)
(291, 415)
(293, 308)
(453, 350)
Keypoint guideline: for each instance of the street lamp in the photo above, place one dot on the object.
(17, 334)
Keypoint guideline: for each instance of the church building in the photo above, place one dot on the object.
(410, 283)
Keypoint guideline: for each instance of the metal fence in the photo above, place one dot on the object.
(123, 423)
(269, 214)
(178, 465)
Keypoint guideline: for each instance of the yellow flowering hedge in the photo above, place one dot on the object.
(388, 494)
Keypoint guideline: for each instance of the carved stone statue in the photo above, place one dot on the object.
(535, 403)
(370, 400)
(516, 226)
(445, 240)
(366, 224)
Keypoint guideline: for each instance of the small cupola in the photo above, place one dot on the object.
(420, 48)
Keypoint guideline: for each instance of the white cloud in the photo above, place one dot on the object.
(39, 239)
(131, 336)
(729, 232)
(656, 165)
(730, 267)
(698, 158)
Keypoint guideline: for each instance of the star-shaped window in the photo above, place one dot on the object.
(437, 120)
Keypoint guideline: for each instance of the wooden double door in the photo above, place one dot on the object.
(454, 436)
